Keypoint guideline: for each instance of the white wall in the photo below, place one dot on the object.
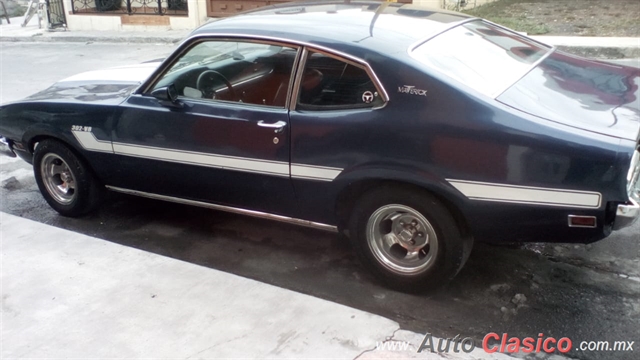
(89, 22)
(201, 5)
(429, 3)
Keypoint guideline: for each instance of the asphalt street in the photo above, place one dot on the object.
(584, 292)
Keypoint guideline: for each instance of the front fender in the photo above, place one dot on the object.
(39, 131)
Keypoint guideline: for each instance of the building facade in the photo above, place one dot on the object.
(172, 14)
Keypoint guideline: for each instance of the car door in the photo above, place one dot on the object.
(224, 139)
(336, 128)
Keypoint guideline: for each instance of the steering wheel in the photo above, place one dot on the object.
(206, 79)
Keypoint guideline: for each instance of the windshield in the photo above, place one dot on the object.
(210, 52)
(482, 56)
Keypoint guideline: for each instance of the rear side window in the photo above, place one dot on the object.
(482, 56)
(329, 83)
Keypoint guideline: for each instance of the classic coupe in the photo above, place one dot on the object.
(412, 131)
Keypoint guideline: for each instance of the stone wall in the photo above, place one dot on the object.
(451, 4)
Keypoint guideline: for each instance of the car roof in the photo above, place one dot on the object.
(347, 26)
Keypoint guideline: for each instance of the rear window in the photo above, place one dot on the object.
(482, 56)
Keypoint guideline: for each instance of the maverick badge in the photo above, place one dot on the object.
(411, 90)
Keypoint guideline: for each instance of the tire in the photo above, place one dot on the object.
(64, 180)
(407, 239)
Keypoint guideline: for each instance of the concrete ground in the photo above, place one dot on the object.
(68, 295)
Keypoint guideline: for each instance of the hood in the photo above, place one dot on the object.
(105, 87)
(130, 73)
(586, 94)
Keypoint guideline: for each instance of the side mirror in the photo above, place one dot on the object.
(166, 94)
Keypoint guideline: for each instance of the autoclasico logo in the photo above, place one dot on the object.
(526, 345)
(492, 342)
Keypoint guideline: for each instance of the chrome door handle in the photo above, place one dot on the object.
(277, 126)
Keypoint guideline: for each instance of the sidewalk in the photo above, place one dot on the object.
(14, 32)
(68, 295)
(604, 47)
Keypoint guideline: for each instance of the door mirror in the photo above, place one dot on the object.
(168, 95)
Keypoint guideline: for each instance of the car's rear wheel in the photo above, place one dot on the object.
(64, 180)
(407, 238)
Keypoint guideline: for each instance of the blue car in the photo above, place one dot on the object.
(412, 131)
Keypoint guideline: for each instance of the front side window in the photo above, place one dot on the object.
(237, 71)
(480, 55)
(329, 83)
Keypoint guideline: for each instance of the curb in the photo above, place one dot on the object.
(92, 39)
(597, 52)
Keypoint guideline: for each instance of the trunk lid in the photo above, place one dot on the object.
(590, 95)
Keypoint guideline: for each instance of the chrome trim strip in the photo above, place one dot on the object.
(267, 39)
(253, 213)
(187, 44)
(533, 66)
(483, 191)
(293, 79)
(298, 79)
(453, 25)
(515, 32)
(352, 60)
(626, 215)
(595, 221)
(497, 94)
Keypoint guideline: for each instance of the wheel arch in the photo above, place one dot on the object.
(37, 133)
(33, 136)
(349, 194)
(87, 189)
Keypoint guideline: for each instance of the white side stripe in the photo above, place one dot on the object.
(314, 172)
(276, 168)
(527, 195)
(203, 159)
(89, 142)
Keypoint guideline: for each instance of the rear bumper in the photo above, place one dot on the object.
(626, 215)
(6, 148)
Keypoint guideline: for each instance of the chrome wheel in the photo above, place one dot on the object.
(58, 179)
(402, 239)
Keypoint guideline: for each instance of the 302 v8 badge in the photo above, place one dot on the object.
(81, 128)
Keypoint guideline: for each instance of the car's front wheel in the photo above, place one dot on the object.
(64, 180)
(408, 239)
